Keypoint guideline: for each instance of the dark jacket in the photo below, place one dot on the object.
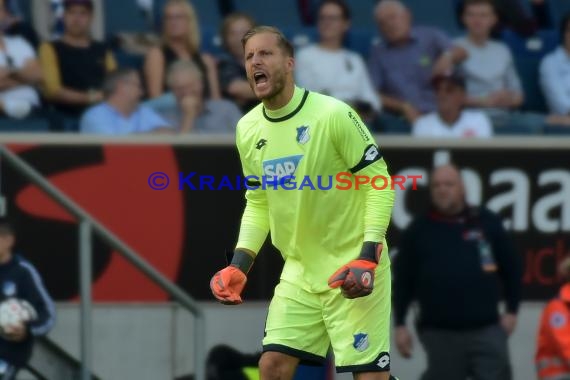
(454, 267)
(19, 279)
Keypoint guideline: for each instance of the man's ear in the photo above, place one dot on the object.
(290, 64)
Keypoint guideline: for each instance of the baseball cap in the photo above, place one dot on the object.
(86, 3)
(453, 77)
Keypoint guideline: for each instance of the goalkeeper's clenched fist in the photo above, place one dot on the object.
(356, 279)
(228, 283)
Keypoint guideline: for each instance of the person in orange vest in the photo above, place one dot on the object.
(553, 349)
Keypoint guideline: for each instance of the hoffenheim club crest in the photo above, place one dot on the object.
(360, 342)
(9, 289)
(303, 134)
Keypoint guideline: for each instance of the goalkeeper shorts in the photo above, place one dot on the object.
(305, 325)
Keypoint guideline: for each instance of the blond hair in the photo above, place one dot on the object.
(193, 39)
(282, 41)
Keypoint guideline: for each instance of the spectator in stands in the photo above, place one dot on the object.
(555, 73)
(493, 84)
(452, 261)
(180, 40)
(450, 119)
(344, 75)
(231, 64)
(187, 109)
(19, 279)
(121, 113)
(75, 65)
(15, 26)
(552, 357)
(512, 14)
(402, 65)
(20, 71)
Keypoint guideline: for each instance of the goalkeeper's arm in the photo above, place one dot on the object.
(228, 283)
(356, 278)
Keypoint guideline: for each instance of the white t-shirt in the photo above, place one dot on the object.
(469, 124)
(19, 51)
(340, 73)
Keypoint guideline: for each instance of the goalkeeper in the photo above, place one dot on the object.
(335, 285)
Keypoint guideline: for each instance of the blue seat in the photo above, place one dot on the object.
(361, 40)
(124, 16)
(527, 54)
(557, 130)
(208, 13)
(211, 40)
(443, 15)
(301, 36)
(362, 12)
(32, 124)
(276, 13)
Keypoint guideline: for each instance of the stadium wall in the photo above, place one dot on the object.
(185, 232)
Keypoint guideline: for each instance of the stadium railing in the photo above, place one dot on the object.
(87, 225)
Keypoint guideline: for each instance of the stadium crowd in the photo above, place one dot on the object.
(65, 70)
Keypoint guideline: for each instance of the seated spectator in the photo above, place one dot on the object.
(512, 14)
(450, 119)
(555, 73)
(121, 113)
(231, 64)
(493, 84)
(20, 71)
(344, 75)
(180, 40)
(75, 65)
(14, 26)
(403, 65)
(187, 109)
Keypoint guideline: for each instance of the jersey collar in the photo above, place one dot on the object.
(290, 109)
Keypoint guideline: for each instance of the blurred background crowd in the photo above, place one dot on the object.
(445, 68)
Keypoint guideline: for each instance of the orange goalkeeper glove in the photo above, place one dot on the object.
(356, 279)
(228, 283)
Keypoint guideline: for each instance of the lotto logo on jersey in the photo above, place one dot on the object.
(281, 167)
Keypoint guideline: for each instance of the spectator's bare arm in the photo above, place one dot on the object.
(212, 74)
(446, 61)
(154, 72)
(30, 73)
(406, 109)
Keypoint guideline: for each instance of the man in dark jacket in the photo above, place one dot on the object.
(452, 262)
(19, 279)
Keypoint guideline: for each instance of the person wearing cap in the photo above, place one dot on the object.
(19, 73)
(75, 65)
(456, 261)
(451, 119)
(552, 358)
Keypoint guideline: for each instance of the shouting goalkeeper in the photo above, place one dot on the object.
(335, 285)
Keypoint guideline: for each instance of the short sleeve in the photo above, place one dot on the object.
(152, 120)
(94, 121)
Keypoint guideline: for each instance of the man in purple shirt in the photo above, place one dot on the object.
(403, 65)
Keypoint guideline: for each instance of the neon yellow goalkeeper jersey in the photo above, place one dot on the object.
(293, 158)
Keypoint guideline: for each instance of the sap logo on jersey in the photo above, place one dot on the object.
(281, 167)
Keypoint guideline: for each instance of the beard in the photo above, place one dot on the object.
(278, 84)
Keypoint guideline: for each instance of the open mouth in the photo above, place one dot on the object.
(260, 77)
